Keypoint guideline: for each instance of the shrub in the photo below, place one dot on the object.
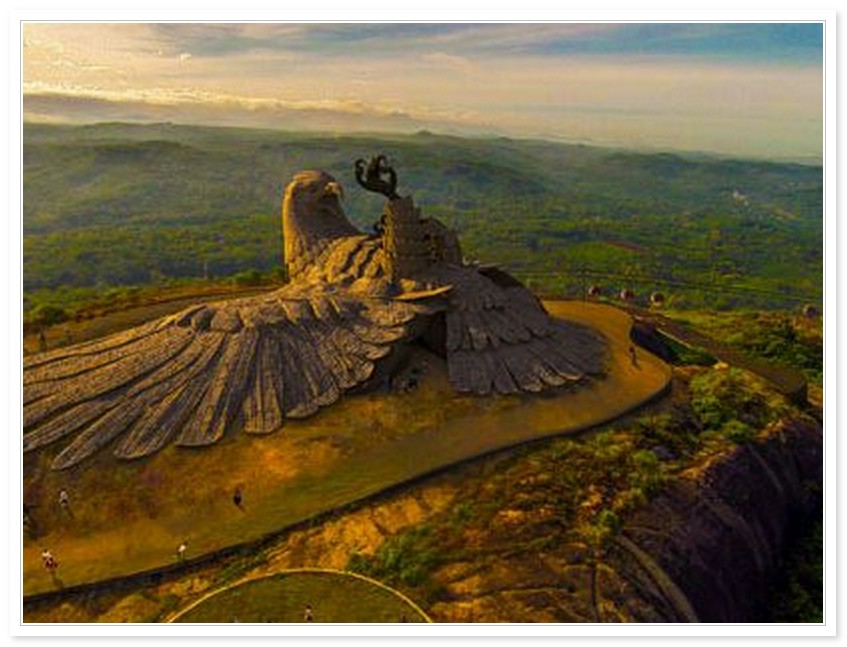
(647, 475)
(48, 315)
(248, 278)
(738, 432)
(407, 558)
(605, 525)
(721, 396)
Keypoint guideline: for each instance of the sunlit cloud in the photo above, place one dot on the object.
(739, 89)
(195, 96)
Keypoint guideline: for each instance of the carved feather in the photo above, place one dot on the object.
(249, 364)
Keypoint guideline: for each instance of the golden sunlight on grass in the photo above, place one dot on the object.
(284, 597)
(126, 517)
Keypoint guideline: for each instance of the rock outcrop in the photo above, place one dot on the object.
(707, 547)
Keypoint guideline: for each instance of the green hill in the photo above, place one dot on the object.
(117, 204)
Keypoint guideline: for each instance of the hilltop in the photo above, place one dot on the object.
(719, 467)
(689, 508)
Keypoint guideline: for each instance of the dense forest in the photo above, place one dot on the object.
(110, 206)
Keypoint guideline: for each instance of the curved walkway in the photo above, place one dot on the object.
(488, 425)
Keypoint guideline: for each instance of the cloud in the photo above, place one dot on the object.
(305, 116)
(450, 62)
(195, 98)
(617, 83)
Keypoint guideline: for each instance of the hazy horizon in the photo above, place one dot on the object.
(742, 90)
(482, 136)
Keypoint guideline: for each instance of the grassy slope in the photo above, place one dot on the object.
(311, 466)
(283, 598)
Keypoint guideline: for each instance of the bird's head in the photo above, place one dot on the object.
(312, 216)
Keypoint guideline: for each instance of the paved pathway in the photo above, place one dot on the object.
(372, 468)
(789, 382)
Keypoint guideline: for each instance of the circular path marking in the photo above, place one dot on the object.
(332, 596)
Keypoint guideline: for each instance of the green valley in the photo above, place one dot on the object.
(112, 206)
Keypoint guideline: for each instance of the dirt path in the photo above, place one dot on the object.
(130, 517)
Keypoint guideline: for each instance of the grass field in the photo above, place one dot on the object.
(128, 517)
(332, 597)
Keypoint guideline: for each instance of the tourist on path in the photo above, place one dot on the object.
(48, 561)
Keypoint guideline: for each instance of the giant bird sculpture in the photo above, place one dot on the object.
(352, 307)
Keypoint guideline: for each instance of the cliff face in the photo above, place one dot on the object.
(707, 547)
(703, 550)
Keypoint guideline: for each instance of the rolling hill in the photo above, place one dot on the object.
(118, 205)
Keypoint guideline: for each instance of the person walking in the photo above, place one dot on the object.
(180, 551)
(307, 615)
(65, 504)
(50, 565)
(48, 561)
(238, 498)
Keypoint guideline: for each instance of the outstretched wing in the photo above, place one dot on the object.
(500, 339)
(192, 377)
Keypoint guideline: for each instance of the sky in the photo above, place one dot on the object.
(741, 89)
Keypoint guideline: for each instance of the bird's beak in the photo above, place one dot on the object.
(334, 188)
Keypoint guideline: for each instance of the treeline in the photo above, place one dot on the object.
(116, 205)
(136, 254)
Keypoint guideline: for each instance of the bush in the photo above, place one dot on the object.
(738, 432)
(407, 558)
(48, 315)
(647, 475)
(248, 278)
(721, 396)
(605, 525)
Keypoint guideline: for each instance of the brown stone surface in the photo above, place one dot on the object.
(719, 533)
(352, 304)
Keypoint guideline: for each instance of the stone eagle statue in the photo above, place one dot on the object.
(352, 307)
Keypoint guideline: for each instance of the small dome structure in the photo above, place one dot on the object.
(810, 311)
